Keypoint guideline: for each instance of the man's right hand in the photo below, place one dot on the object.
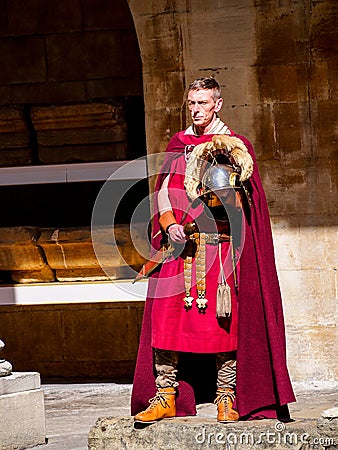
(176, 233)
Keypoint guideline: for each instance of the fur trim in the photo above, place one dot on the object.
(232, 146)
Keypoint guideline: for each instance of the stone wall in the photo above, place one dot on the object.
(67, 53)
(80, 341)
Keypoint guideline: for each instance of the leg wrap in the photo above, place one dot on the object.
(226, 370)
(165, 365)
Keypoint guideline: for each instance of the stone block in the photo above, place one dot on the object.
(282, 32)
(332, 69)
(319, 86)
(18, 249)
(287, 187)
(74, 249)
(44, 275)
(309, 297)
(14, 131)
(324, 34)
(239, 86)
(89, 340)
(84, 132)
(84, 274)
(318, 249)
(15, 157)
(287, 246)
(22, 416)
(240, 118)
(22, 419)
(23, 60)
(166, 46)
(5, 94)
(311, 353)
(287, 128)
(83, 153)
(264, 132)
(166, 120)
(331, 247)
(293, 88)
(49, 92)
(20, 254)
(19, 382)
(101, 15)
(39, 17)
(324, 130)
(68, 137)
(236, 19)
(40, 339)
(78, 56)
(77, 117)
(111, 333)
(113, 87)
(307, 247)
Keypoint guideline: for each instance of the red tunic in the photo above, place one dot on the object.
(188, 330)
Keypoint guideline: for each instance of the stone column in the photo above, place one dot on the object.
(5, 366)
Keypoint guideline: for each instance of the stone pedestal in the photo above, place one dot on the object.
(22, 413)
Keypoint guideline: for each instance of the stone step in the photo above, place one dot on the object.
(189, 433)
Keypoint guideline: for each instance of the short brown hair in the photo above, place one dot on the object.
(206, 83)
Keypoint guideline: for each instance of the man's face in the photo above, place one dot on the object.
(203, 107)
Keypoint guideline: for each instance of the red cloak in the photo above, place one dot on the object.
(263, 387)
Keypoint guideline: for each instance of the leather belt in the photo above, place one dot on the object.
(216, 238)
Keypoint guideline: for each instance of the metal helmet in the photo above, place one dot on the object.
(219, 177)
(218, 185)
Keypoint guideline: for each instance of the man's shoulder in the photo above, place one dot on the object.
(179, 140)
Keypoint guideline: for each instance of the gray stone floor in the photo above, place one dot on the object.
(72, 409)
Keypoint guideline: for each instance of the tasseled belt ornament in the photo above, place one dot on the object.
(201, 301)
(223, 303)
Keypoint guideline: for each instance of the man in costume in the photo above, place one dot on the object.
(213, 317)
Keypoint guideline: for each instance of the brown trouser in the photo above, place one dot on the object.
(166, 363)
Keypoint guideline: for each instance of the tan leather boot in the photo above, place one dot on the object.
(161, 406)
(224, 401)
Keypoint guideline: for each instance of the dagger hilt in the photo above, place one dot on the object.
(190, 228)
